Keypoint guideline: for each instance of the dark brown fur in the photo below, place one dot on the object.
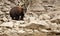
(17, 13)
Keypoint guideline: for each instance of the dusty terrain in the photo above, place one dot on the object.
(41, 19)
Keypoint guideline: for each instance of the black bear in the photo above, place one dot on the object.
(17, 13)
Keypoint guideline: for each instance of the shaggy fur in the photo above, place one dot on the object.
(17, 13)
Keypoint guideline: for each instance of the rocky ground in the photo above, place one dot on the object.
(41, 19)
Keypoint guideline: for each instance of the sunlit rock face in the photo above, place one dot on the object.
(41, 19)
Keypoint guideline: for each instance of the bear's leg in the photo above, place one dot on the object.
(22, 16)
(12, 18)
(17, 18)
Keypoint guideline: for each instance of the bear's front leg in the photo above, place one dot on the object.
(17, 18)
(22, 16)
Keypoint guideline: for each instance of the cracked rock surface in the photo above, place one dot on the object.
(41, 19)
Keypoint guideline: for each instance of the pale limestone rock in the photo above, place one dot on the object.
(12, 5)
(7, 24)
(0, 7)
(56, 19)
(7, 13)
(30, 17)
(37, 7)
(32, 14)
(32, 22)
(1, 13)
(4, 9)
(56, 31)
(29, 30)
(44, 17)
(44, 30)
(20, 22)
(53, 26)
(7, 2)
(7, 31)
(27, 20)
(43, 23)
(58, 27)
(1, 3)
(21, 31)
(24, 25)
(13, 31)
(1, 22)
(39, 34)
(8, 6)
(5, 19)
(57, 2)
(36, 31)
(13, 34)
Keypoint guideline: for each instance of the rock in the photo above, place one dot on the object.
(44, 30)
(44, 23)
(1, 16)
(56, 31)
(27, 20)
(53, 26)
(56, 19)
(8, 6)
(21, 31)
(5, 19)
(30, 17)
(57, 2)
(1, 3)
(7, 31)
(1, 22)
(32, 26)
(7, 24)
(8, 18)
(37, 7)
(1, 7)
(4, 9)
(29, 30)
(7, 2)
(38, 20)
(58, 27)
(39, 34)
(7, 13)
(1, 13)
(22, 22)
(11, 33)
(3, 35)
(51, 9)
(44, 17)
(12, 5)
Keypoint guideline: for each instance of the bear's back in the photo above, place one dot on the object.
(16, 10)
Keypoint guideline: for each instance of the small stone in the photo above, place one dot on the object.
(4, 9)
(1, 13)
(21, 31)
(53, 26)
(5, 19)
